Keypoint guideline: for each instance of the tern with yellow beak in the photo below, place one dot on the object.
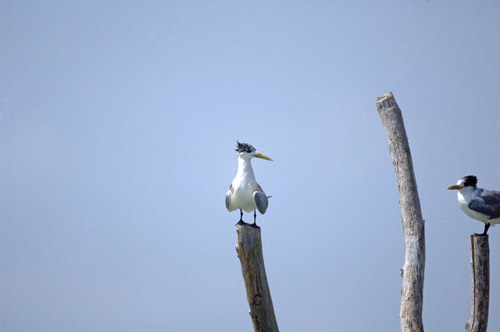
(477, 203)
(244, 192)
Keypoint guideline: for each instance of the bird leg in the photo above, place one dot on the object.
(255, 219)
(241, 222)
(486, 226)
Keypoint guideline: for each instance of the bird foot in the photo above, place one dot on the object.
(242, 223)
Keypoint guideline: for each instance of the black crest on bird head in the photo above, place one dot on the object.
(244, 147)
(470, 181)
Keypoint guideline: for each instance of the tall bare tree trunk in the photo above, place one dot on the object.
(249, 251)
(413, 224)
(478, 321)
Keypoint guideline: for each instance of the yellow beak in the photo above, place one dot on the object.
(262, 156)
(454, 187)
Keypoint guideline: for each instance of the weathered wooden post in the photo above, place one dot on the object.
(480, 261)
(413, 225)
(249, 251)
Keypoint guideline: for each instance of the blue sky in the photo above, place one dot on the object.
(118, 124)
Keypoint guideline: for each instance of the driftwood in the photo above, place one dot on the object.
(478, 321)
(249, 251)
(413, 225)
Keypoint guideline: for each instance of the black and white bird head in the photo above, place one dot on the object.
(247, 151)
(468, 182)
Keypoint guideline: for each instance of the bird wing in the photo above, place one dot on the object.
(261, 200)
(488, 203)
(228, 198)
(490, 196)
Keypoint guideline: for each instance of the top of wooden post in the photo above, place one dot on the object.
(387, 100)
(248, 236)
